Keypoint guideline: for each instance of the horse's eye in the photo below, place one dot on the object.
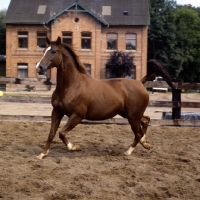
(53, 51)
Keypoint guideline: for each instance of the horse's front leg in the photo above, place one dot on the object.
(71, 123)
(56, 117)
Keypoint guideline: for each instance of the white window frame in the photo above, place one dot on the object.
(22, 69)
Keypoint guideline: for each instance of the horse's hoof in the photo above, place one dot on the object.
(76, 148)
(40, 156)
(127, 153)
(146, 146)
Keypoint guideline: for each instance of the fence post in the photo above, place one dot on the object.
(176, 103)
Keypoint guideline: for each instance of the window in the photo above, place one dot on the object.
(67, 38)
(23, 39)
(88, 68)
(112, 41)
(41, 39)
(22, 70)
(86, 40)
(130, 41)
(109, 73)
(125, 13)
(133, 73)
(41, 9)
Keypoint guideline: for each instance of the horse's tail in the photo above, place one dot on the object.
(155, 68)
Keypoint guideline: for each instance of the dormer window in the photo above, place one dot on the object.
(125, 12)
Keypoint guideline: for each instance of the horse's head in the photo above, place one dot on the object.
(51, 57)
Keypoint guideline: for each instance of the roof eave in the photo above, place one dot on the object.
(85, 10)
(26, 23)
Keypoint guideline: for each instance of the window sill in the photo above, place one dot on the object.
(86, 50)
(110, 50)
(22, 49)
(40, 49)
(113, 50)
(134, 51)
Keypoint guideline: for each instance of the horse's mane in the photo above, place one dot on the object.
(78, 63)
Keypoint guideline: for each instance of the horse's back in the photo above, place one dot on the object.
(129, 86)
(128, 89)
(121, 88)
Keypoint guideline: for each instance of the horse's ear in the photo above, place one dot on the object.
(58, 41)
(48, 41)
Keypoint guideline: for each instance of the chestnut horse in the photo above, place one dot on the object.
(79, 96)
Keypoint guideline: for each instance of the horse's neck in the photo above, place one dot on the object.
(67, 76)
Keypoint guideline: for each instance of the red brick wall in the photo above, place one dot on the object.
(98, 55)
(15, 55)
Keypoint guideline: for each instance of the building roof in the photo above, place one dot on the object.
(109, 12)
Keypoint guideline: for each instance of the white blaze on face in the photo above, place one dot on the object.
(48, 49)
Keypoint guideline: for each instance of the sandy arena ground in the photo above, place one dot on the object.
(170, 170)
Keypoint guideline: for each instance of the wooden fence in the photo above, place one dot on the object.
(163, 84)
(34, 83)
(42, 82)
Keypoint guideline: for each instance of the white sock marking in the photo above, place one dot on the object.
(69, 145)
(143, 139)
(129, 151)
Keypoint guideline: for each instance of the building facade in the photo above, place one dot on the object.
(95, 28)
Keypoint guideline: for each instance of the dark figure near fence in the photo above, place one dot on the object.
(79, 96)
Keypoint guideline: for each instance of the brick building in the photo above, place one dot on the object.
(95, 28)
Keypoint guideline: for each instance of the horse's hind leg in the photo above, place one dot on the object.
(144, 124)
(71, 123)
(56, 117)
(137, 129)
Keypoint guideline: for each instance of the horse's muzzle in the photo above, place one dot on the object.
(40, 70)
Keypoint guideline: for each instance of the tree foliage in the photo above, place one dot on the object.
(188, 33)
(120, 64)
(2, 32)
(174, 35)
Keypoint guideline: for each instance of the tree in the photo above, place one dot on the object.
(120, 64)
(2, 32)
(162, 34)
(188, 40)
(174, 37)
